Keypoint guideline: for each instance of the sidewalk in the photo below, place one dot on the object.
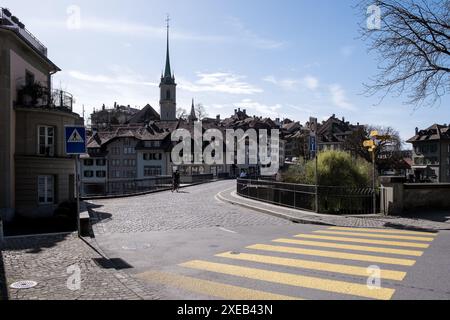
(45, 259)
(429, 221)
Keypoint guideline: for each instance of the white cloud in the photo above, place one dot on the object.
(257, 108)
(248, 36)
(223, 82)
(339, 98)
(120, 76)
(309, 82)
(312, 83)
(252, 108)
(131, 29)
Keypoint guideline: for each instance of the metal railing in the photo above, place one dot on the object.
(333, 200)
(7, 20)
(62, 100)
(297, 196)
(125, 187)
(38, 96)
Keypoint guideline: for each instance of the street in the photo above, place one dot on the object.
(191, 245)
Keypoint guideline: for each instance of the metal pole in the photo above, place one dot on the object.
(77, 191)
(316, 180)
(374, 184)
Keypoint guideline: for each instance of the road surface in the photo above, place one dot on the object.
(191, 245)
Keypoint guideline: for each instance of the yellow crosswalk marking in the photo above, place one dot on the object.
(342, 287)
(210, 288)
(312, 265)
(361, 240)
(400, 232)
(371, 235)
(351, 247)
(334, 254)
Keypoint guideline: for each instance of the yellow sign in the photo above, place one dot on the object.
(369, 144)
(374, 134)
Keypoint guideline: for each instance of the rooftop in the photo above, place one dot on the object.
(11, 22)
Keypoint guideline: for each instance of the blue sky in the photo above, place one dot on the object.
(288, 59)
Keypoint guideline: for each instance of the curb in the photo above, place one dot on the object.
(274, 213)
(315, 222)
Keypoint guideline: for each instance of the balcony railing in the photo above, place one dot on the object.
(7, 20)
(37, 96)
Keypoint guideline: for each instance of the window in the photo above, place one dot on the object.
(150, 171)
(101, 162)
(128, 150)
(129, 162)
(116, 174)
(115, 151)
(168, 95)
(29, 78)
(88, 162)
(46, 141)
(46, 190)
(89, 174)
(152, 156)
(129, 173)
(101, 174)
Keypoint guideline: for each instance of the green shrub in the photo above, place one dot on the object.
(334, 168)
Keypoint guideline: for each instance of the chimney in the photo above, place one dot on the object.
(417, 131)
(343, 119)
(244, 111)
(333, 116)
(115, 105)
(218, 117)
(235, 111)
(103, 107)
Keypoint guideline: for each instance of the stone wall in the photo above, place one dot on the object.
(398, 197)
(426, 196)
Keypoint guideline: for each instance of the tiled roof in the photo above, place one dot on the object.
(434, 133)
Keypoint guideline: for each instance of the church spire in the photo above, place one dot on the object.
(193, 116)
(167, 71)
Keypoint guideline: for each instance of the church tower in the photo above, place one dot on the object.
(168, 89)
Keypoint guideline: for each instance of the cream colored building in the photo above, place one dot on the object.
(35, 173)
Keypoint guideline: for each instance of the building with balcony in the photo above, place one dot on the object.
(35, 173)
(431, 154)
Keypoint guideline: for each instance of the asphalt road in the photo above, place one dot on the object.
(193, 246)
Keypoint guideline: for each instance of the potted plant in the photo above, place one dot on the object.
(6, 12)
(31, 94)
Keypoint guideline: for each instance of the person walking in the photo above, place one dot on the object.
(176, 181)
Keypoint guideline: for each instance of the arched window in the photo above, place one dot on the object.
(168, 95)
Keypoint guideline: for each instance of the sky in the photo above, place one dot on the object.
(280, 59)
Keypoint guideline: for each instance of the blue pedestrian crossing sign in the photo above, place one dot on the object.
(75, 138)
(312, 144)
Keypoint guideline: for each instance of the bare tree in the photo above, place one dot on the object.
(182, 114)
(413, 42)
(201, 112)
(355, 142)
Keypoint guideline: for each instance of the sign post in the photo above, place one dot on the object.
(75, 137)
(313, 150)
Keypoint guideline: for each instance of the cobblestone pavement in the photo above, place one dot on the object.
(192, 208)
(429, 221)
(45, 259)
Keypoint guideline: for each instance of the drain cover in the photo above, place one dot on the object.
(24, 284)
